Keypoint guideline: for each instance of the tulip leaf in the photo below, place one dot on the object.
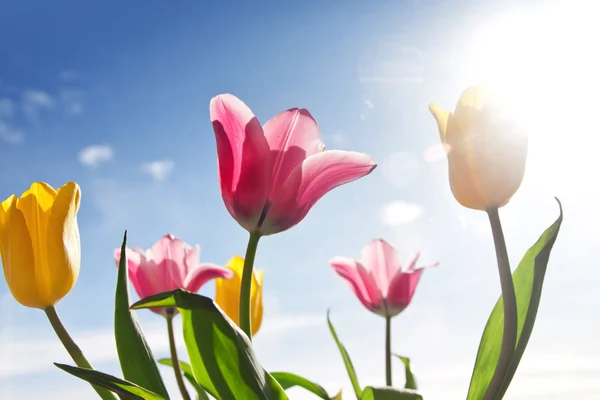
(186, 369)
(288, 380)
(346, 357)
(389, 393)
(411, 382)
(136, 359)
(218, 349)
(528, 279)
(125, 390)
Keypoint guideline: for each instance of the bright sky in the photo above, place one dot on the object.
(114, 96)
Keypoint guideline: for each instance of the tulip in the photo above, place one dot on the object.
(228, 294)
(381, 284)
(486, 152)
(272, 175)
(170, 264)
(40, 246)
(41, 254)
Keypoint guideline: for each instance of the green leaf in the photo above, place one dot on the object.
(411, 382)
(125, 390)
(288, 380)
(218, 349)
(137, 362)
(389, 393)
(347, 361)
(528, 279)
(186, 369)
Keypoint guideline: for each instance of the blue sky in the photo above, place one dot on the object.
(115, 97)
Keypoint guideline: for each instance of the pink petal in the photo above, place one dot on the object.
(361, 282)
(134, 260)
(293, 136)
(380, 258)
(201, 274)
(402, 288)
(169, 256)
(244, 159)
(310, 181)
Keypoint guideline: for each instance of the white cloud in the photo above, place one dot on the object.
(400, 212)
(34, 101)
(6, 107)
(72, 101)
(9, 134)
(95, 154)
(69, 75)
(159, 170)
(400, 169)
(337, 138)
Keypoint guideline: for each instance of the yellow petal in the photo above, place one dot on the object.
(441, 117)
(4, 226)
(257, 301)
(35, 204)
(227, 295)
(63, 244)
(19, 268)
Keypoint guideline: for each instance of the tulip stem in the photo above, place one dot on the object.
(176, 366)
(246, 287)
(388, 351)
(74, 350)
(509, 302)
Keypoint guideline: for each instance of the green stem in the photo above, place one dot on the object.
(74, 350)
(176, 366)
(388, 351)
(509, 301)
(246, 288)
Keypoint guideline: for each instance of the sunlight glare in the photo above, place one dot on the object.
(543, 65)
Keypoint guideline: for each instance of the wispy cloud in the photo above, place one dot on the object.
(34, 101)
(400, 169)
(9, 134)
(6, 107)
(160, 169)
(400, 212)
(69, 75)
(93, 155)
(72, 101)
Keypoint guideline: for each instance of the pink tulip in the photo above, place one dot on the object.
(272, 175)
(378, 280)
(170, 264)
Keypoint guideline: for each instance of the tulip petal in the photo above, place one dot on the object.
(19, 267)
(203, 273)
(4, 228)
(134, 259)
(381, 259)
(441, 118)
(35, 204)
(360, 281)
(168, 254)
(244, 159)
(256, 298)
(227, 291)
(402, 288)
(62, 242)
(293, 136)
(311, 180)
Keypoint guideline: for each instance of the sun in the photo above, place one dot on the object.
(542, 63)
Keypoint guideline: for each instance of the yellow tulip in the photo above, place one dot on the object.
(39, 243)
(486, 152)
(228, 294)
